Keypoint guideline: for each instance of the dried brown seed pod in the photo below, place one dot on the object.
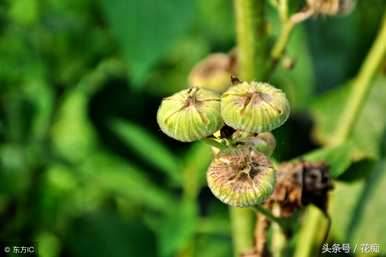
(299, 184)
(241, 177)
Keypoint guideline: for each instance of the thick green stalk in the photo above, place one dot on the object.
(242, 229)
(360, 90)
(251, 38)
(252, 54)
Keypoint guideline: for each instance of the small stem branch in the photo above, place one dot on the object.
(270, 216)
(280, 45)
(279, 239)
(261, 229)
(213, 142)
(361, 87)
(283, 10)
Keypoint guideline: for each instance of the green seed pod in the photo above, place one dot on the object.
(263, 142)
(241, 176)
(190, 114)
(254, 107)
(212, 73)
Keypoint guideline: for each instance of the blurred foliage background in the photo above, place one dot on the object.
(84, 168)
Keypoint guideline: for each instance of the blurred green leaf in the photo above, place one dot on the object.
(338, 158)
(216, 19)
(197, 160)
(357, 209)
(14, 174)
(371, 204)
(215, 225)
(118, 176)
(369, 129)
(148, 147)
(41, 96)
(146, 29)
(298, 82)
(178, 228)
(73, 135)
(171, 74)
(214, 246)
(24, 12)
(107, 234)
(48, 244)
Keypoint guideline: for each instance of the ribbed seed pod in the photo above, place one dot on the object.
(214, 73)
(331, 7)
(263, 142)
(254, 107)
(241, 176)
(190, 114)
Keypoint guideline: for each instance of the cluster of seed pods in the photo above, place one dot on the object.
(241, 173)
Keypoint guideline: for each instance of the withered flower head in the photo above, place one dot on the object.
(299, 184)
(241, 177)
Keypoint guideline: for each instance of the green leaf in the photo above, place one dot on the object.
(146, 29)
(73, 135)
(148, 147)
(24, 12)
(119, 177)
(48, 244)
(178, 228)
(338, 158)
(42, 97)
(214, 246)
(196, 163)
(370, 126)
(359, 208)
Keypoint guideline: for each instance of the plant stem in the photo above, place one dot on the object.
(287, 26)
(279, 239)
(242, 226)
(361, 87)
(213, 142)
(310, 234)
(360, 90)
(252, 54)
(280, 45)
(261, 238)
(251, 38)
(269, 215)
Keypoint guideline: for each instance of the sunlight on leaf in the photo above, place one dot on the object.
(338, 158)
(148, 147)
(119, 177)
(370, 126)
(356, 205)
(178, 228)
